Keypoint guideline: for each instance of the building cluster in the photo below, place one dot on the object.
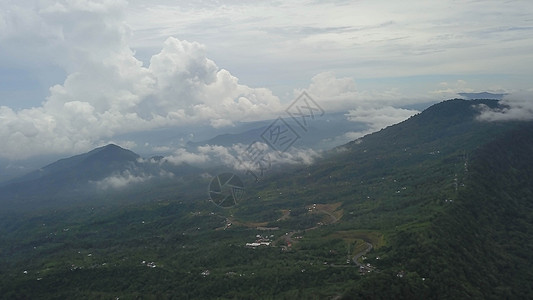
(366, 268)
(149, 264)
(260, 241)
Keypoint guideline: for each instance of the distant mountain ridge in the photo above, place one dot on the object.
(437, 124)
(482, 95)
(74, 173)
(318, 136)
(77, 177)
(69, 177)
(91, 165)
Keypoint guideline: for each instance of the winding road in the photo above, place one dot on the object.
(358, 255)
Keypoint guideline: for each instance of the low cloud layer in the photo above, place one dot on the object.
(235, 158)
(239, 157)
(515, 107)
(121, 180)
(377, 118)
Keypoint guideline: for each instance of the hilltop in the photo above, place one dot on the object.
(83, 178)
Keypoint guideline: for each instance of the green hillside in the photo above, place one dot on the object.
(439, 206)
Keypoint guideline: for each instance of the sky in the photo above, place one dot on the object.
(75, 74)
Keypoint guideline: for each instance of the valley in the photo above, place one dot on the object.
(438, 206)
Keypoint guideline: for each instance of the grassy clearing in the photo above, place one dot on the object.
(376, 238)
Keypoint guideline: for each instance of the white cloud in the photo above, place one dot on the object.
(115, 84)
(181, 156)
(331, 92)
(447, 90)
(239, 158)
(377, 118)
(108, 91)
(296, 156)
(515, 107)
(121, 180)
(335, 94)
(353, 135)
(340, 94)
(161, 149)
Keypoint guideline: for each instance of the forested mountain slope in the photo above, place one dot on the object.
(439, 206)
(481, 246)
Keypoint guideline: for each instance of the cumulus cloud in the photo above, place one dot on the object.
(515, 107)
(336, 93)
(297, 156)
(109, 92)
(258, 157)
(375, 110)
(121, 180)
(331, 92)
(182, 156)
(210, 155)
(160, 149)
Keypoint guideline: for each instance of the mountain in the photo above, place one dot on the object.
(436, 207)
(482, 95)
(450, 197)
(84, 177)
(69, 175)
(228, 139)
(92, 165)
(468, 215)
(320, 135)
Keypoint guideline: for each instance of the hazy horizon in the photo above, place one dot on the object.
(76, 75)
